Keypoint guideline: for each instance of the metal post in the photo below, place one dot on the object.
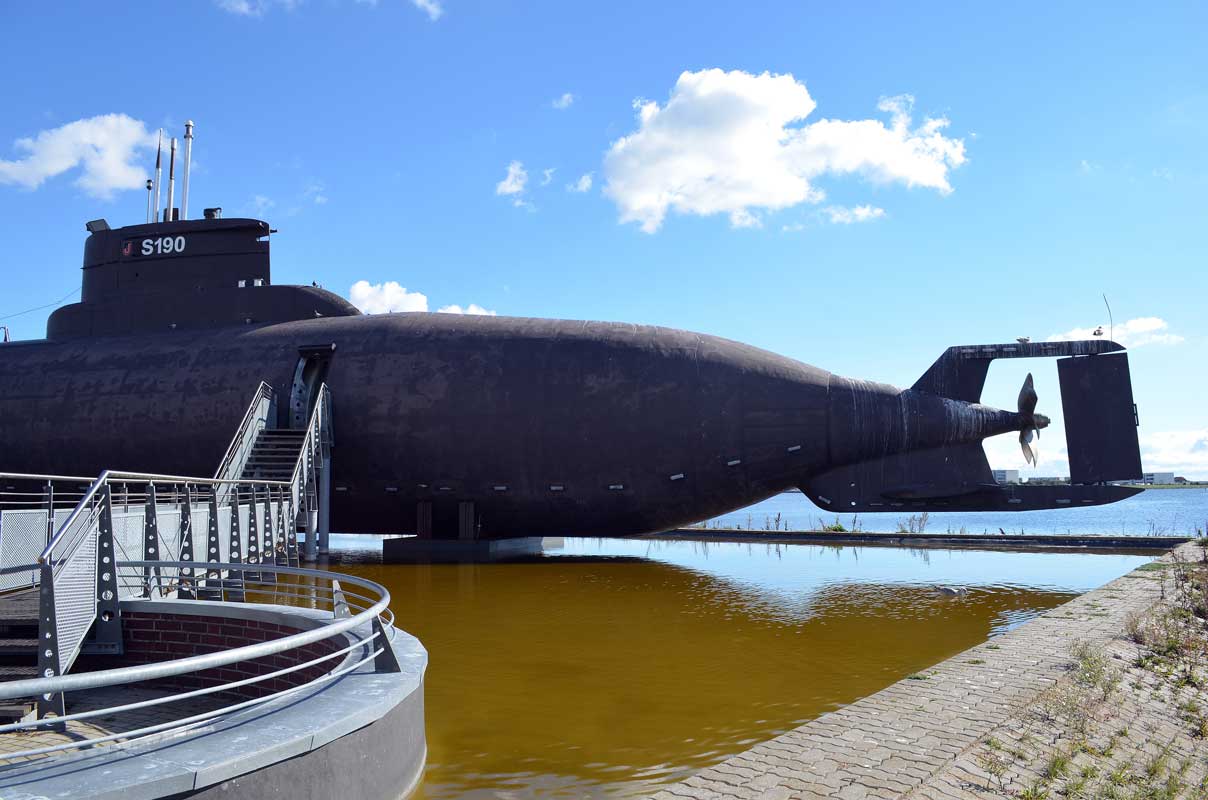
(186, 588)
(386, 660)
(312, 494)
(267, 549)
(287, 518)
(234, 582)
(151, 575)
(50, 511)
(213, 583)
(107, 632)
(253, 536)
(325, 502)
(48, 645)
(283, 537)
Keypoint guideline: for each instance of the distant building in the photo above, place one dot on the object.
(1006, 476)
(1157, 477)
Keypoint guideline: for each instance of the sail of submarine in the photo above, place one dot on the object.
(537, 426)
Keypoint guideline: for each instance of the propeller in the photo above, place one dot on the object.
(1030, 421)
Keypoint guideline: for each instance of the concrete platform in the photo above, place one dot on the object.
(414, 550)
(360, 735)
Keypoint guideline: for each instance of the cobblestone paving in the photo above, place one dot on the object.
(925, 737)
(106, 724)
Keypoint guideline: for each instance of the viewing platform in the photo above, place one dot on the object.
(160, 638)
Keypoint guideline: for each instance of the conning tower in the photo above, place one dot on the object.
(172, 273)
(184, 275)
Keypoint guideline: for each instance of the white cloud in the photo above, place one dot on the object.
(472, 309)
(846, 216)
(513, 185)
(581, 185)
(259, 206)
(316, 193)
(255, 8)
(1133, 333)
(1087, 167)
(1181, 452)
(734, 143)
(246, 8)
(547, 175)
(433, 8)
(1003, 452)
(103, 147)
(515, 180)
(258, 8)
(564, 102)
(383, 298)
(389, 297)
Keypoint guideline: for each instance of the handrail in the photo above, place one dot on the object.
(32, 476)
(142, 477)
(319, 419)
(80, 592)
(263, 392)
(123, 675)
(71, 518)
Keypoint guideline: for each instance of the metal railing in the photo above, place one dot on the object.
(186, 532)
(311, 479)
(181, 529)
(255, 419)
(32, 507)
(358, 631)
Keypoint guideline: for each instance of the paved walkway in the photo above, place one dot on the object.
(106, 724)
(940, 734)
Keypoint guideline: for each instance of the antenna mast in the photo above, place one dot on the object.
(149, 183)
(1110, 322)
(159, 152)
(171, 182)
(184, 189)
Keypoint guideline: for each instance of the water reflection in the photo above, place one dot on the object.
(615, 665)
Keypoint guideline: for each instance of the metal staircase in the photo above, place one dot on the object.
(184, 534)
(18, 649)
(274, 455)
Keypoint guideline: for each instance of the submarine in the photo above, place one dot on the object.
(454, 426)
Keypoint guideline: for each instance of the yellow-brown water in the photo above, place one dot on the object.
(622, 665)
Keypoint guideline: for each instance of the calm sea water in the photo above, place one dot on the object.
(608, 667)
(1154, 512)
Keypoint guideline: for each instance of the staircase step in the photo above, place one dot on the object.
(15, 710)
(14, 646)
(15, 672)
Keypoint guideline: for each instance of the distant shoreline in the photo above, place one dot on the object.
(1165, 485)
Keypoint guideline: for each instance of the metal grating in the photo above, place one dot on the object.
(244, 517)
(128, 544)
(75, 597)
(200, 529)
(22, 538)
(167, 519)
(224, 533)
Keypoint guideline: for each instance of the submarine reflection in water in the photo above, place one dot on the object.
(617, 665)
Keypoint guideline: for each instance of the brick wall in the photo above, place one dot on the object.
(153, 637)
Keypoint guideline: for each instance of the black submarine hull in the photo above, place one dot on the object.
(536, 426)
(548, 426)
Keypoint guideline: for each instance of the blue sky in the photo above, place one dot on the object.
(1050, 155)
